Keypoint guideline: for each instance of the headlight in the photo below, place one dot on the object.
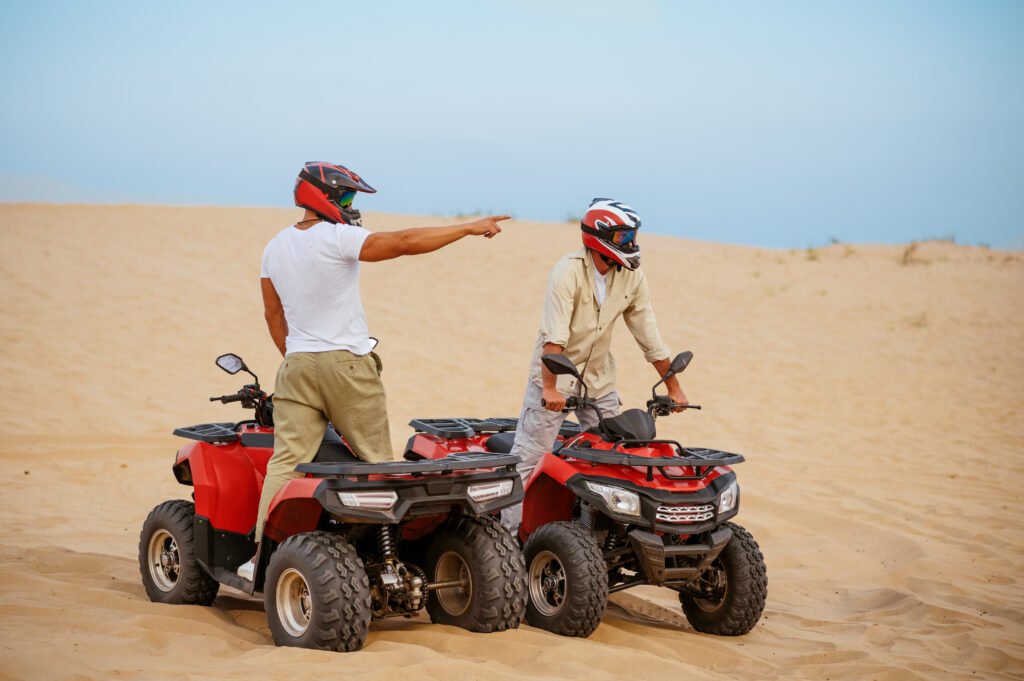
(378, 501)
(728, 499)
(490, 490)
(617, 500)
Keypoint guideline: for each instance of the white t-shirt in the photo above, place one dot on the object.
(600, 287)
(316, 274)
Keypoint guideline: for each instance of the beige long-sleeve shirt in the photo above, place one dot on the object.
(573, 319)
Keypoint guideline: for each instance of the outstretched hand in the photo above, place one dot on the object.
(487, 227)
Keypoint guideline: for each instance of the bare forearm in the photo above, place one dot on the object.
(549, 378)
(278, 330)
(417, 240)
(662, 367)
(273, 312)
(671, 383)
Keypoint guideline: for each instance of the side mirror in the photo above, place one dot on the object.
(559, 364)
(679, 363)
(231, 363)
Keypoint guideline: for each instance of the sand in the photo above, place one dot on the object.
(877, 395)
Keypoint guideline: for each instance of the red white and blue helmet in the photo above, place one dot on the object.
(328, 190)
(610, 227)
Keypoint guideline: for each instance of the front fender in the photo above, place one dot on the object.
(546, 501)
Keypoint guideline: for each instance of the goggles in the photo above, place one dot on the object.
(344, 199)
(623, 237)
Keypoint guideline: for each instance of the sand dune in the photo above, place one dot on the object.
(878, 399)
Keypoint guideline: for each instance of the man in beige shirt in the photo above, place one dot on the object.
(587, 291)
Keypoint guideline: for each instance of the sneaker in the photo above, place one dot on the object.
(246, 570)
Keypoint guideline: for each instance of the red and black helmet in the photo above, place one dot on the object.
(610, 228)
(328, 189)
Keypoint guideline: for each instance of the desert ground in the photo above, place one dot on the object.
(876, 391)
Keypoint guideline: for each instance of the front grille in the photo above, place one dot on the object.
(689, 513)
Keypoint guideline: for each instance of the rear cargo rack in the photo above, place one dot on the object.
(700, 458)
(466, 427)
(452, 462)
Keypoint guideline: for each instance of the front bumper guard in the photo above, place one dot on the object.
(654, 556)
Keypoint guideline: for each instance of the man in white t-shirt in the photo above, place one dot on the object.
(310, 282)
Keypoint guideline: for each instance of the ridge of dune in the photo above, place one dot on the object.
(876, 392)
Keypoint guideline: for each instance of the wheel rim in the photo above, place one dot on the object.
(164, 560)
(547, 583)
(450, 568)
(294, 602)
(715, 583)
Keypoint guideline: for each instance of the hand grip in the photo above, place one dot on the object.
(571, 402)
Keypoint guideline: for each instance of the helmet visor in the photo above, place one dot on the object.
(623, 237)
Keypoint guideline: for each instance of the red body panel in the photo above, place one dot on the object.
(228, 480)
(227, 484)
(547, 498)
(434, 447)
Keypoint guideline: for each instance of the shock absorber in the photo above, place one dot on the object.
(615, 539)
(385, 543)
(587, 518)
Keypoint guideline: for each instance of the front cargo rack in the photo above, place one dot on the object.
(700, 458)
(467, 427)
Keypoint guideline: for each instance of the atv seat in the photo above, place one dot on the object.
(332, 449)
(501, 442)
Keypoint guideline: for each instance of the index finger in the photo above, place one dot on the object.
(498, 218)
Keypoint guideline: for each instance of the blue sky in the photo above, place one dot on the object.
(781, 124)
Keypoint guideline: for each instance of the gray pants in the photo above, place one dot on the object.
(535, 435)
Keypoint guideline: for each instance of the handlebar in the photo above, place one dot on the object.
(571, 402)
(237, 397)
(663, 405)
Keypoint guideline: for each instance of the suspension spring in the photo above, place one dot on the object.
(587, 518)
(385, 542)
(614, 540)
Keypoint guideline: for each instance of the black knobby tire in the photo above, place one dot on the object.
(317, 594)
(167, 557)
(741, 598)
(483, 555)
(568, 582)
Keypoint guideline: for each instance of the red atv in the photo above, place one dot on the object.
(349, 542)
(615, 507)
